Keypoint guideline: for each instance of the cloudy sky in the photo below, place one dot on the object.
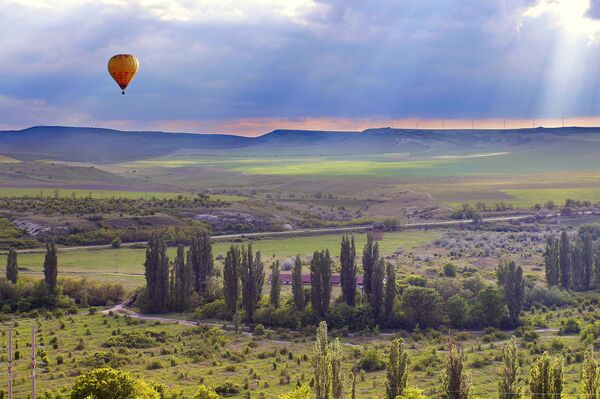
(249, 66)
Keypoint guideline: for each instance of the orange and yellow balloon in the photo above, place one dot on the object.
(122, 68)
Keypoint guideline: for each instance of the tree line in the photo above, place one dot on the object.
(236, 291)
(572, 265)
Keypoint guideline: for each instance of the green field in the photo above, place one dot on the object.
(528, 197)
(5, 159)
(125, 265)
(18, 192)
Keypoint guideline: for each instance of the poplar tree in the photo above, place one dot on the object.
(157, 275)
(552, 261)
(297, 290)
(253, 277)
(320, 280)
(588, 261)
(182, 280)
(348, 270)
(231, 278)
(509, 383)
(320, 363)
(369, 260)
(510, 280)
(376, 297)
(577, 268)
(546, 378)
(397, 370)
(12, 267)
(565, 261)
(275, 285)
(456, 382)
(202, 262)
(590, 375)
(335, 364)
(51, 268)
(390, 289)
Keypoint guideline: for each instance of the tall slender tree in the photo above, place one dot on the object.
(12, 267)
(335, 364)
(456, 383)
(182, 280)
(275, 285)
(320, 280)
(590, 375)
(297, 290)
(369, 260)
(390, 288)
(577, 267)
(511, 282)
(320, 363)
(51, 268)
(231, 278)
(397, 370)
(509, 384)
(546, 378)
(588, 261)
(565, 261)
(202, 261)
(552, 261)
(348, 270)
(157, 274)
(376, 297)
(253, 277)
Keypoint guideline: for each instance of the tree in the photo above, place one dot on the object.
(376, 297)
(490, 308)
(590, 375)
(106, 383)
(348, 270)
(456, 382)
(511, 281)
(577, 268)
(335, 364)
(206, 393)
(275, 285)
(12, 267)
(182, 280)
(565, 261)
(320, 363)
(509, 383)
(397, 370)
(552, 261)
(231, 278)
(297, 290)
(412, 393)
(369, 260)
(253, 277)
(546, 378)
(421, 305)
(390, 289)
(51, 268)
(157, 275)
(457, 310)
(202, 262)
(320, 280)
(588, 260)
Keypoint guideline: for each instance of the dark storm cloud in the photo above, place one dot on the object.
(335, 58)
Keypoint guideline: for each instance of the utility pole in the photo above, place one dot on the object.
(32, 362)
(10, 364)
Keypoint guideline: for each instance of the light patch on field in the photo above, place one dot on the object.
(5, 159)
(16, 192)
(528, 197)
(483, 155)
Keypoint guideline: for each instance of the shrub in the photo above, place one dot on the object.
(116, 243)
(571, 326)
(371, 360)
(228, 388)
(450, 270)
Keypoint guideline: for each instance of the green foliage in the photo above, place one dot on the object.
(12, 267)
(397, 370)
(369, 260)
(412, 393)
(205, 393)
(546, 377)
(552, 261)
(253, 277)
(231, 278)
(457, 310)
(511, 281)
(201, 262)
(106, 383)
(565, 261)
(449, 270)
(182, 281)
(116, 243)
(590, 375)
(302, 392)
(227, 388)
(320, 364)
(157, 275)
(456, 382)
(348, 270)
(371, 360)
(275, 285)
(51, 268)
(136, 339)
(297, 290)
(509, 383)
(489, 308)
(320, 279)
(390, 289)
(422, 306)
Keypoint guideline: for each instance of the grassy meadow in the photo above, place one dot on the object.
(264, 366)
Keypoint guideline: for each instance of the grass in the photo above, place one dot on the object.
(528, 197)
(125, 265)
(19, 192)
(171, 363)
(5, 159)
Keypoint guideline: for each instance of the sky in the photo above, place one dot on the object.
(251, 66)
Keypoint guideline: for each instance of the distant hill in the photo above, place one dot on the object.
(106, 145)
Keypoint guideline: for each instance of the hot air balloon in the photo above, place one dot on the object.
(122, 68)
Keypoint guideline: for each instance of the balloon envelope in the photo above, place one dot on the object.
(122, 68)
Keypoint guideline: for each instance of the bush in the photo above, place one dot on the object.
(205, 393)
(450, 270)
(259, 330)
(212, 310)
(371, 360)
(228, 388)
(109, 383)
(116, 243)
(571, 326)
